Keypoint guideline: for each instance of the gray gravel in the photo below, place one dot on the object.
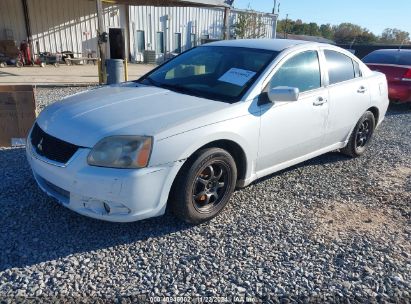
(332, 229)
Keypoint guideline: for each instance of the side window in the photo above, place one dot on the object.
(301, 71)
(340, 67)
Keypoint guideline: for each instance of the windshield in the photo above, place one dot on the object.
(219, 73)
(389, 57)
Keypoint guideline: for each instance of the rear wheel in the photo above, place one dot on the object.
(204, 186)
(361, 136)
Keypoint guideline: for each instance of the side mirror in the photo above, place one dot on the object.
(283, 94)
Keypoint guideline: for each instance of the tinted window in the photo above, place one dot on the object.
(389, 57)
(301, 71)
(340, 67)
(215, 72)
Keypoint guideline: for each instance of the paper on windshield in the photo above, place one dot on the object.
(237, 76)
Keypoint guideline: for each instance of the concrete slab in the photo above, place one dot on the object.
(50, 75)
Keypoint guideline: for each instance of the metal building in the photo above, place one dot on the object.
(57, 26)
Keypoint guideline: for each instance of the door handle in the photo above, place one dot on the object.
(319, 101)
(362, 90)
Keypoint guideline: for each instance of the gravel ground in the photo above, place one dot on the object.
(332, 229)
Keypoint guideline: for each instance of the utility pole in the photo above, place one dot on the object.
(275, 12)
(101, 44)
(226, 33)
(275, 6)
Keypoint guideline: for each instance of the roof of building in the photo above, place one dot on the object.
(267, 44)
(212, 3)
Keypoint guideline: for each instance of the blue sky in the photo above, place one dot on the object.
(375, 15)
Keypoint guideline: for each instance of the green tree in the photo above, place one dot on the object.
(352, 33)
(395, 36)
(326, 31)
(313, 29)
(249, 25)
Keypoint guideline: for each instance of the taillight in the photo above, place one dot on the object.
(407, 76)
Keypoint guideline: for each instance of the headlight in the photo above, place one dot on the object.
(121, 152)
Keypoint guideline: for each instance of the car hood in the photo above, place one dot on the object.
(127, 109)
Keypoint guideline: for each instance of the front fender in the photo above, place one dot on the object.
(243, 130)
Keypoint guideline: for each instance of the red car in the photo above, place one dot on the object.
(396, 65)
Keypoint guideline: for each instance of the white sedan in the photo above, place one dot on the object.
(214, 118)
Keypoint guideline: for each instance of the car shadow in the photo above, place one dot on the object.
(35, 228)
(399, 109)
(328, 158)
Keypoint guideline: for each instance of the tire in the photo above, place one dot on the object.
(361, 136)
(19, 64)
(203, 186)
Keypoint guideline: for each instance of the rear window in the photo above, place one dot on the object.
(389, 57)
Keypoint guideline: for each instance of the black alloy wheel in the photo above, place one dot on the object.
(360, 136)
(203, 186)
(210, 186)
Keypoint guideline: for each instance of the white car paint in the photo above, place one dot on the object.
(273, 136)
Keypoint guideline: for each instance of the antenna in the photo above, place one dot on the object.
(352, 43)
(402, 43)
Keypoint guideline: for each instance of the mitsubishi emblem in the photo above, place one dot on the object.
(40, 145)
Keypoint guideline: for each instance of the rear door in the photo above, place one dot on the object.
(349, 95)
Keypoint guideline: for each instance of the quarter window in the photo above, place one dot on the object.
(340, 67)
(357, 69)
(301, 71)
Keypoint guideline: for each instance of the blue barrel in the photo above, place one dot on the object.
(115, 71)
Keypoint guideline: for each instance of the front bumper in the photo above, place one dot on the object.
(117, 195)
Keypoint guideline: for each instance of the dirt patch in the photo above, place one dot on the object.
(342, 220)
(399, 177)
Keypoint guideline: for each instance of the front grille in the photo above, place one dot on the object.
(51, 147)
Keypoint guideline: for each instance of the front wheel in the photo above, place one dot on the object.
(361, 136)
(204, 185)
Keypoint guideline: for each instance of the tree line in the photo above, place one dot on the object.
(344, 33)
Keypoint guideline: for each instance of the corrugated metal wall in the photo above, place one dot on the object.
(72, 25)
(68, 25)
(201, 22)
(12, 20)
(183, 20)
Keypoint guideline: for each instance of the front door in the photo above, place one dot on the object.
(290, 130)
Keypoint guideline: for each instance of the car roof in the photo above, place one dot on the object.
(392, 51)
(265, 44)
